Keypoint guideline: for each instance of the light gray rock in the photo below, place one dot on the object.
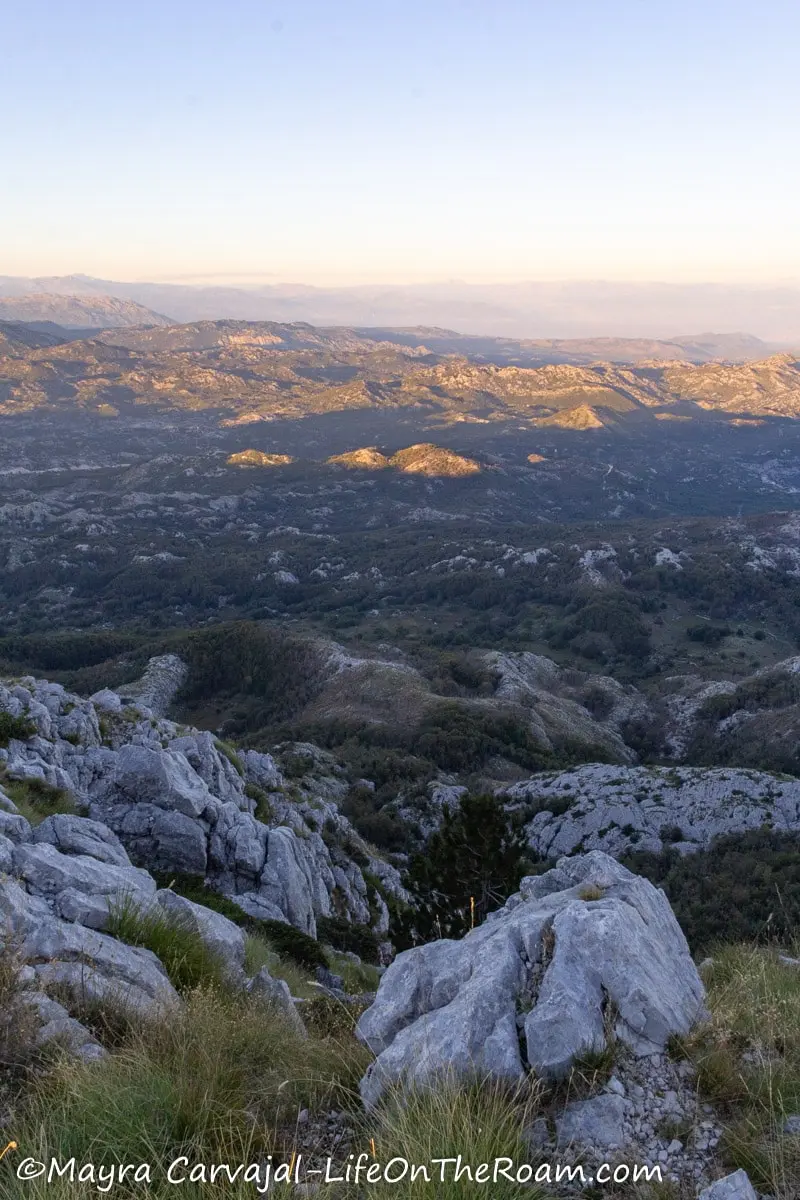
(275, 992)
(106, 701)
(19, 912)
(92, 911)
(625, 950)
(57, 1026)
(791, 1126)
(225, 939)
(46, 872)
(166, 798)
(733, 1187)
(287, 880)
(162, 778)
(453, 1006)
(237, 847)
(163, 677)
(6, 855)
(93, 966)
(217, 772)
(80, 835)
(14, 827)
(598, 1123)
(620, 808)
(165, 841)
(261, 769)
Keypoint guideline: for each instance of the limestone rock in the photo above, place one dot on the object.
(572, 961)
(733, 1187)
(93, 966)
(597, 1122)
(47, 872)
(80, 835)
(276, 993)
(618, 809)
(56, 1025)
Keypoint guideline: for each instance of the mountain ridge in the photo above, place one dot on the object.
(518, 310)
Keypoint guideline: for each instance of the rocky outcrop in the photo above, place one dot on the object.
(584, 953)
(618, 809)
(177, 802)
(79, 960)
(158, 686)
(556, 702)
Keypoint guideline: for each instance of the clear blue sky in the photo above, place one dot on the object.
(329, 141)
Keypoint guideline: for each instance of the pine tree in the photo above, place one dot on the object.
(468, 868)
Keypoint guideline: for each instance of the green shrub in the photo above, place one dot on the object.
(287, 941)
(293, 944)
(20, 728)
(228, 751)
(264, 810)
(343, 935)
(744, 887)
(469, 867)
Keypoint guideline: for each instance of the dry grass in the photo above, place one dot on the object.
(221, 1082)
(35, 799)
(18, 1025)
(748, 1063)
(480, 1122)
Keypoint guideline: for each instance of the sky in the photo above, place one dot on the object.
(356, 141)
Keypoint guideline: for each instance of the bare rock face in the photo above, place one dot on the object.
(584, 953)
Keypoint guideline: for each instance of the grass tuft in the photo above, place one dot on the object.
(188, 961)
(480, 1122)
(748, 1062)
(36, 799)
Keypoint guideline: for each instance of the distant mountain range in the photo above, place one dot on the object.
(248, 372)
(591, 309)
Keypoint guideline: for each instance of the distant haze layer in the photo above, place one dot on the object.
(521, 310)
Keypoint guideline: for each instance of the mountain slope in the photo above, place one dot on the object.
(78, 312)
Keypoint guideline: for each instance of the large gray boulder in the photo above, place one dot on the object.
(162, 778)
(92, 966)
(164, 840)
(289, 882)
(585, 952)
(14, 826)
